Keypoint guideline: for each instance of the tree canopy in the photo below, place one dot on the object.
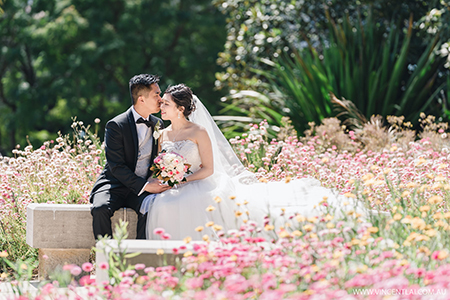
(66, 58)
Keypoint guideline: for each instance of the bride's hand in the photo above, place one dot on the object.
(155, 187)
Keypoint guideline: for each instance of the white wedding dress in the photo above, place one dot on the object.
(179, 211)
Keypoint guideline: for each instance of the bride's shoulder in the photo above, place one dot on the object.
(198, 132)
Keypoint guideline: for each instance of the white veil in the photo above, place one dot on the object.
(225, 159)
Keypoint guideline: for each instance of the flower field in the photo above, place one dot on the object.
(402, 252)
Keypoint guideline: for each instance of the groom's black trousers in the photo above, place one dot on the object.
(106, 202)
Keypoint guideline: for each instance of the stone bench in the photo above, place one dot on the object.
(63, 233)
(147, 250)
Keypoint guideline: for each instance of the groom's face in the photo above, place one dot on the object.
(152, 99)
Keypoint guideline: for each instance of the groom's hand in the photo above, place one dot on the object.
(155, 187)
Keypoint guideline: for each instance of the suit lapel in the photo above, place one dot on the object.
(132, 125)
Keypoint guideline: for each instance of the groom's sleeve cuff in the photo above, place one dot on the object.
(143, 189)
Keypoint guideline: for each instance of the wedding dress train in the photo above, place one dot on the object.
(230, 195)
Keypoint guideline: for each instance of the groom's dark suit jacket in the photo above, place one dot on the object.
(121, 149)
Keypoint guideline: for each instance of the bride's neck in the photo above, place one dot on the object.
(179, 124)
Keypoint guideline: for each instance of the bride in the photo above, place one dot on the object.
(219, 194)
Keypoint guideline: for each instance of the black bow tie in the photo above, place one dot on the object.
(146, 122)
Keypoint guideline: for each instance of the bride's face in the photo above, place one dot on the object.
(169, 110)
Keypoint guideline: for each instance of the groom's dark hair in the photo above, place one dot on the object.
(139, 83)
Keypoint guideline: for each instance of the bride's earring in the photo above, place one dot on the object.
(179, 116)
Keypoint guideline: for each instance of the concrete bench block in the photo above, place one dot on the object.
(148, 256)
(68, 225)
(63, 233)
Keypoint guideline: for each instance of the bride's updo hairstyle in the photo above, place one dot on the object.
(183, 97)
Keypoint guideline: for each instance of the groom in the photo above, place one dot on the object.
(130, 149)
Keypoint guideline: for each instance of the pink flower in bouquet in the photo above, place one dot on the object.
(170, 168)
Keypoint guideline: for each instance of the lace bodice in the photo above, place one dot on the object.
(186, 148)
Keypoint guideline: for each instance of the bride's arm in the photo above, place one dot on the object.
(206, 155)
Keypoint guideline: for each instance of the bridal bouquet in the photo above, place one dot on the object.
(170, 168)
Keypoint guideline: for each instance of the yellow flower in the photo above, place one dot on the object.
(210, 208)
(442, 254)
(3, 254)
(418, 223)
(233, 257)
(441, 223)
(421, 238)
(209, 224)
(187, 254)
(350, 195)
(217, 227)
(312, 219)
(361, 269)
(367, 176)
(287, 179)
(308, 227)
(424, 208)
(269, 227)
(330, 225)
(201, 258)
(262, 179)
(406, 243)
(435, 199)
(159, 252)
(297, 233)
(245, 202)
(405, 194)
(411, 185)
(218, 199)
(421, 161)
(300, 218)
(424, 249)
(238, 213)
(423, 188)
(309, 292)
(397, 216)
(404, 262)
(187, 240)
(232, 197)
(23, 266)
(199, 228)
(328, 217)
(438, 216)
(372, 229)
(205, 238)
(431, 232)
(284, 234)
(387, 171)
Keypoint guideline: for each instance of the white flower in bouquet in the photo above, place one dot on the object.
(170, 168)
